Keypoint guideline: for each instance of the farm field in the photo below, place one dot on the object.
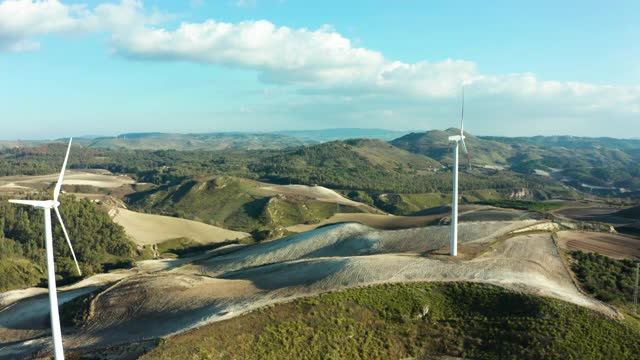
(613, 245)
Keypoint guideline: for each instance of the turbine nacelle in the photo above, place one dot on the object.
(457, 138)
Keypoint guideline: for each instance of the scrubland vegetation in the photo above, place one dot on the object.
(412, 320)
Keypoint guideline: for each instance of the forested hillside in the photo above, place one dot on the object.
(341, 165)
(607, 163)
(96, 240)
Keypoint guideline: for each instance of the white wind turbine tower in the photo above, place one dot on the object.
(47, 205)
(454, 205)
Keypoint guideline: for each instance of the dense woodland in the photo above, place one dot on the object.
(97, 242)
(605, 278)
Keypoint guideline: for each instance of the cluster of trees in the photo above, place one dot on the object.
(96, 239)
(605, 278)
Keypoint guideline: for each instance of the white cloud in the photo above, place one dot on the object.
(318, 62)
(21, 20)
(324, 61)
(281, 54)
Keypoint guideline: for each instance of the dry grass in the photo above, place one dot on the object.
(146, 229)
(96, 179)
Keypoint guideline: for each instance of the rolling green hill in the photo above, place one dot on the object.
(462, 320)
(376, 167)
(234, 203)
(381, 153)
(607, 163)
(435, 144)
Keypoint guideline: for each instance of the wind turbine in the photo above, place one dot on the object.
(47, 205)
(454, 206)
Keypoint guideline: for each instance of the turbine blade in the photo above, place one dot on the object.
(464, 147)
(56, 191)
(34, 203)
(66, 235)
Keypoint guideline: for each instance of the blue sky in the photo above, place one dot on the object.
(100, 67)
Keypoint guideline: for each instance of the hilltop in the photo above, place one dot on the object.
(241, 204)
(435, 144)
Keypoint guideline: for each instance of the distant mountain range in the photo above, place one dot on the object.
(212, 141)
(218, 140)
(236, 140)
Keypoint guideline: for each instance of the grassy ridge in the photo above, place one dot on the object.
(233, 203)
(412, 320)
